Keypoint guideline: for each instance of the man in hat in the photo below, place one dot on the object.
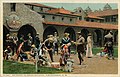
(10, 42)
(109, 44)
(80, 46)
(34, 50)
(30, 39)
(37, 41)
(66, 41)
(89, 46)
(56, 42)
(49, 46)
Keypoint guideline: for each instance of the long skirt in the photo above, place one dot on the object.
(89, 51)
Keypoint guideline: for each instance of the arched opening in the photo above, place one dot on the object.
(49, 31)
(25, 30)
(5, 32)
(84, 33)
(71, 32)
(116, 38)
(94, 39)
(98, 37)
(72, 36)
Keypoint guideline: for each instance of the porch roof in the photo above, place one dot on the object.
(84, 24)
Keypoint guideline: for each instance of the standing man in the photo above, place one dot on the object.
(80, 47)
(30, 40)
(37, 43)
(9, 42)
(21, 39)
(66, 41)
(109, 44)
(55, 43)
(89, 46)
(49, 46)
(15, 41)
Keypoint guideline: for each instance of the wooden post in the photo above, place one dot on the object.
(36, 64)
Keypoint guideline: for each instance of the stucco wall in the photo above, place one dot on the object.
(26, 16)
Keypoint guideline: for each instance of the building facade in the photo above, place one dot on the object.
(23, 18)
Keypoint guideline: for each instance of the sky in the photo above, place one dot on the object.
(72, 6)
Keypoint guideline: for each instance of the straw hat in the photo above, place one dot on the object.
(111, 32)
(55, 32)
(66, 34)
(33, 46)
(29, 34)
(50, 36)
(8, 35)
(37, 34)
(79, 33)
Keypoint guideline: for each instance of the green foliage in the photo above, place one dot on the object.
(98, 49)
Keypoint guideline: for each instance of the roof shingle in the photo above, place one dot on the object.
(61, 11)
(84, 24)
(39, 5)
(95, 17)
(104, 13)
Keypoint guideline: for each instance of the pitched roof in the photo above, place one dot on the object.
(84, 24)
(59, 10)
(62, 11)
(39, 5)
(95, 17)
(104, 13)
(96, 25)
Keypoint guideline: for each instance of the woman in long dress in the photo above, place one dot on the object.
(89, 46)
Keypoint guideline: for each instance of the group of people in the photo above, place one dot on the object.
(51, 46)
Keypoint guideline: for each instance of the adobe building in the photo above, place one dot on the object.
(23, 18)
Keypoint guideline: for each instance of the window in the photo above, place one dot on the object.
(80, 18)
(41, 9)
(53, 17)
(13, 7)
(107, 19)
(113, 19)
(80, 11)
(87, 19)
(92, 20)
(62, 19)
(70, 19)
(43, 16)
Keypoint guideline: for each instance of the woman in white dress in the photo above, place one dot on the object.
(89, 46)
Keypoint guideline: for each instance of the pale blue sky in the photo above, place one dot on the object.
(72, 6)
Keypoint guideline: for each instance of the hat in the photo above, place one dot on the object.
(29, 34)
(89, 34)
(111, 32)
(8, 35)
(79, 33)
(33, 46)
(37, 34)
(55, 32)
(66, 34)
(50, 35)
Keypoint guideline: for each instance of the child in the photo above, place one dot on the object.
(64, 55)
(103, 52)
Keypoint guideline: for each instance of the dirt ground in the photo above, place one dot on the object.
(94, 65)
